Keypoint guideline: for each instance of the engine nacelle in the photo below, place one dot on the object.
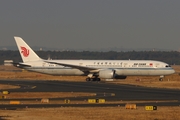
(110, 74)
(107, 74)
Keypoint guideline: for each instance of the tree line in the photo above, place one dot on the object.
(170, 57)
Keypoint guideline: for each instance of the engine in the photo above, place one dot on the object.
(107, 74)
(110, 74)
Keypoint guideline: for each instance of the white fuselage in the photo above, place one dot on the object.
(122, 67)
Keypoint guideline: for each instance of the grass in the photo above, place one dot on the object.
(93, 113)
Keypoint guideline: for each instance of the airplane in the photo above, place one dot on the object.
(95, 70)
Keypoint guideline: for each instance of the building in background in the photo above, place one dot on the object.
(8, 62)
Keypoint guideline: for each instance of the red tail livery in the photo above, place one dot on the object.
(25, 52)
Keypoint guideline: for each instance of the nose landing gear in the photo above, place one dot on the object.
(161, 78)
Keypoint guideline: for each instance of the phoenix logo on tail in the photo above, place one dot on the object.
(25, 51)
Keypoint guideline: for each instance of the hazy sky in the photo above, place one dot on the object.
(82, 24)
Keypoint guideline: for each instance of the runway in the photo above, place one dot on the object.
(103, 90)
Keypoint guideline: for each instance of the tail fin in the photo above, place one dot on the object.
(27, 54)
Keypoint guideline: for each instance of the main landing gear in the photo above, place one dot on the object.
(161, 78)
(93, 79)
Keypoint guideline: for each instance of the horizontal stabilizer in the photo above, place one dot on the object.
(20, 65)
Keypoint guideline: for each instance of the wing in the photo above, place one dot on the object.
(82, 68)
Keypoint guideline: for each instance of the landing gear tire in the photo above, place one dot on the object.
(93, 79)
(160, 79)
(98, 79)
(88, 79)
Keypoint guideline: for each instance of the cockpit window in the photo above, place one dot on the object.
(168, 66)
